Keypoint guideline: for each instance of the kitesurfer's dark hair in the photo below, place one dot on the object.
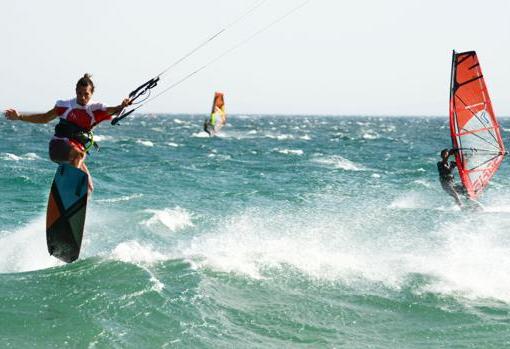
(443, 152)
(85, 81)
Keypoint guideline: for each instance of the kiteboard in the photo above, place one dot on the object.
(474, 129)
(65, 218)
(218, 117)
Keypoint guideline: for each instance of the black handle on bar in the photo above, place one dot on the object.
(122, 116)
(133, 96)
(140, 90)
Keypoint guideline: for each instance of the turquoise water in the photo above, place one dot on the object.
(281, 232)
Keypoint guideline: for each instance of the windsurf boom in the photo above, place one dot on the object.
(474, 129)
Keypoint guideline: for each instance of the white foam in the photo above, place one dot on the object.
(462, 259)
(289, 151)
(497, 209)
(473, 261)
(201, 134)
(280, 137)
(250, 245)
(134, 252)
(172, 144)
(119, 199)
(25, 249)
(145, 143)
(144, 256)
(423, 183)
(370, 136)
(339, 162)
(409, 200)
(13, 157)
(172, 219)
(103, 138)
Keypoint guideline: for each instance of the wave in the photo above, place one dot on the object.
(103, 138)
(119, 199)
(134, 252)
(24, 249)
(339, 162)
(289, 151)
(279, 137)
(410, 200)
(201, 134)
(459, 259)
(145, 143)
(172, 219)
(371, 135)
(13, 157)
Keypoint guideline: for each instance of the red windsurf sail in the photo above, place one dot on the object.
(473, 125)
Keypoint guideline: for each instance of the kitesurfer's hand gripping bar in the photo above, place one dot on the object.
(134, 95)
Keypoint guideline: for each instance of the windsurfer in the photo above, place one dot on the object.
(78, 116)
(445, 169)
(206, 127)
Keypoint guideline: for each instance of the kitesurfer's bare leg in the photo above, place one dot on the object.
(77, 159)
(86, 170)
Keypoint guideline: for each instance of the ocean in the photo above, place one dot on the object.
(282, 232)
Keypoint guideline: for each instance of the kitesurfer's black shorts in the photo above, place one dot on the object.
(60, 150)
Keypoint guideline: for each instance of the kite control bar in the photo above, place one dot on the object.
(135, 94)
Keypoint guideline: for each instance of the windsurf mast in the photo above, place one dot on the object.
(474, 129)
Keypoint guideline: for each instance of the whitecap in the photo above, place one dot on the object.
(201, 134)
(25, 249)
(27, 156)
(289, 151)
(134, 252)
(340, 162)
(370, 135)
(119, 199)
(172, 219)
(145, 143)
(103, 138)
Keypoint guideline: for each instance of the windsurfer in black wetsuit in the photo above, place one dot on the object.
(445, 170)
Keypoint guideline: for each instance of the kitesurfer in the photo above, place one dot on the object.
(445, 169)
(78, 116)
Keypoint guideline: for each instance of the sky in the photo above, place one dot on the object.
(330, 57)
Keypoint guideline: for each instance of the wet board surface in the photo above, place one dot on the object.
(65, 218)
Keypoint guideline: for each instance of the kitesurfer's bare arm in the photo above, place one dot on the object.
(44, 118)
(118, 109)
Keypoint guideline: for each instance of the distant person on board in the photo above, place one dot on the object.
(206, 127)
(445, 169)
(73, 134)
